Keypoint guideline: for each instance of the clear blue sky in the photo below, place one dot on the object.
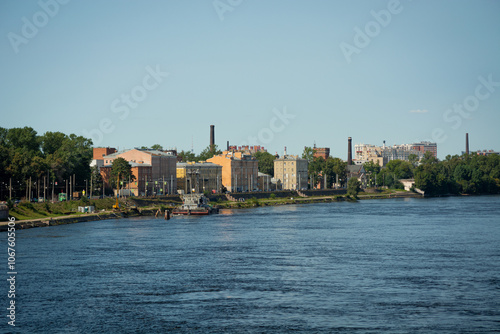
(85, 67)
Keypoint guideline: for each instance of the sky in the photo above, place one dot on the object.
(274, 73)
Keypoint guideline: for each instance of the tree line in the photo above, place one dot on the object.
(466, 174)
(27, 160)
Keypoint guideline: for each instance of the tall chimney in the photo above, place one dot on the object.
(466, 143)
(227, 146)
(349, 151)
(212, 136)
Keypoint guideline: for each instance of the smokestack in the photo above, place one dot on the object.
(227, 146)
(349, 151)
(212, 136)
(466, 143)
(285, 150)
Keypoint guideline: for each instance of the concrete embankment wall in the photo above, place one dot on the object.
(324, 192)
(24, 224)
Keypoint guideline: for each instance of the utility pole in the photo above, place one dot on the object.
(44, 188)
(10, 188)
(66, 189)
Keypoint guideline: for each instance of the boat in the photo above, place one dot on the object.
(195, 205)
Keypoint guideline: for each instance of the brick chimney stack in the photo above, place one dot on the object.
(349, 151)
(466, 143)
(212, 137)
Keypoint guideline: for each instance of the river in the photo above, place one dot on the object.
(373, 266)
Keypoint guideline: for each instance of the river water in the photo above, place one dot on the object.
(391, 266)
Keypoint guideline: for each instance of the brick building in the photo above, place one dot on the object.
(154, 171)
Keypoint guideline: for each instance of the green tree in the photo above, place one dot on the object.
(157, 147)
(121, 171)
(413, 159)
(372, 169)
(400, 169)
(308, 154)
(428, 158)
(186, 156)
(265, 162)
(332, 168)
(353, 187)
(96, 181)
(208, 153)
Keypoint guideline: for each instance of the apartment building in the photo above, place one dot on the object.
(291, 171)
(239, 170)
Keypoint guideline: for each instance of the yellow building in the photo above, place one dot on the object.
(239, 170)
(291, 171)
(196, 177)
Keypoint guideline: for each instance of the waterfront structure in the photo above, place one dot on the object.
(384, 154)
(154, 171)
(195, 177)
(291, 171)
(239, 170)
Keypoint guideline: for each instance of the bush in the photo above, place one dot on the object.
(254, 201)
(272, 196)
(353, 187)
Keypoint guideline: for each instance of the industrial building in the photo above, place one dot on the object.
(195, 177)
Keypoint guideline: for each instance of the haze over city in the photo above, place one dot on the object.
(270, 73)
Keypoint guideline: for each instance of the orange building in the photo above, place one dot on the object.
(239, 170)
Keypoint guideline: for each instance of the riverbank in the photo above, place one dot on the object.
(134, 207)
